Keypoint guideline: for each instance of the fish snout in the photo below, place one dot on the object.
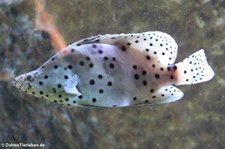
(17, 81)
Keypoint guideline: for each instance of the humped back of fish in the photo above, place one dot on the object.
(116, 70)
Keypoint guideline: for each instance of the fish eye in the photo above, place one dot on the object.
(30, 78)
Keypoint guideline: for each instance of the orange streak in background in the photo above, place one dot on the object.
(6, 75)
(44, 22)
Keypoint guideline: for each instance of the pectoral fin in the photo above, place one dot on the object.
(71, 85)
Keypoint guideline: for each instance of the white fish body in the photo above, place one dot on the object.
(116, 71)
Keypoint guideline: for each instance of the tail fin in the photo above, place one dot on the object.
(194, 69)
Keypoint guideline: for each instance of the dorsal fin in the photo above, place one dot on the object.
(160, 46)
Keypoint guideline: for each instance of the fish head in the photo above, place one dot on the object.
(39, 83)
(49, 83)
(27, 82)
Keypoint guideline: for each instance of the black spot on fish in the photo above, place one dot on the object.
(55, 66)
(148, 57)
(134, 67)
(145, 83)
(100, 76)
(88, 58)
(69, 66)
(101, 91)
(91, 82)
(91, 65)
(93, 99)
(105, 58)
(144, 72)
(100, 51)
(136, 76)
(94, 46)
(123, 48)
(174, 67)
(72, 50)
(157, 76)
(59, 85)
(81, 63)
(111, 65)
(114, 59)
(109, 83)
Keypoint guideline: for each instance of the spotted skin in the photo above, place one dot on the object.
(116, 71)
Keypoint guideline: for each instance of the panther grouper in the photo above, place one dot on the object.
(116, 70)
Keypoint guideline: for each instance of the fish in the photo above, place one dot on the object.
(116, 70)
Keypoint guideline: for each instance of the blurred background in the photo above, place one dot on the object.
(196, 121)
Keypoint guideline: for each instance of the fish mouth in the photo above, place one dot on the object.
(17, 83)
(24, 82)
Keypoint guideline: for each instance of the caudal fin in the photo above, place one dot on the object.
(194, 69)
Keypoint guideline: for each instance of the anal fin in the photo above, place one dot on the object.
(167, 94)
(163, 95)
